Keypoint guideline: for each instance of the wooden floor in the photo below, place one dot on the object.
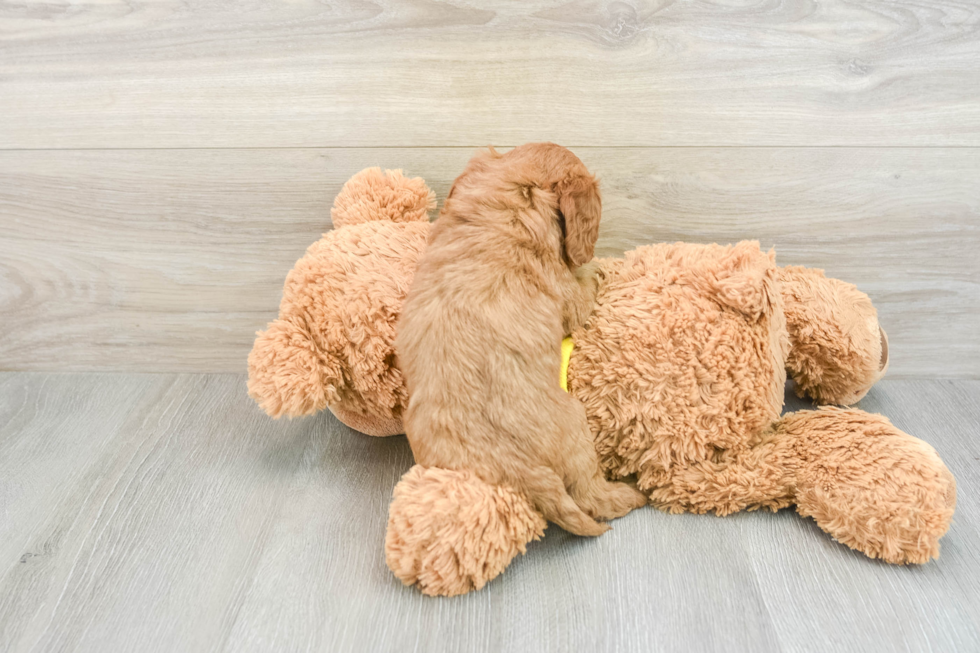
(167, 513)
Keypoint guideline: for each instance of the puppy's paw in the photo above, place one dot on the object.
(578, 523)
(592, 529)
(580, 297)
(618, 500)
(588, 276)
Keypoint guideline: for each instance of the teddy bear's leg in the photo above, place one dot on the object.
(759, 476)
(866, 483)
(449, 532)
(869, 485)
(838, 350)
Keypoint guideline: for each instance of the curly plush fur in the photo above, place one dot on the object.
(695, 364)
(333, 344)
(840, 351)
(680, 369)
(426, 545)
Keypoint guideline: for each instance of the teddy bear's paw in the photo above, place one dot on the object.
(374, 194)
(449, 532)
(871, 486)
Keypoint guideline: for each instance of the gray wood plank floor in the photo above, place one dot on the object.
(167, 513)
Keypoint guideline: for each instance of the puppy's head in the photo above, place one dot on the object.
(571, 190)
(579, 205)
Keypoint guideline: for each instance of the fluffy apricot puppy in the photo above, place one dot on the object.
(505, 276)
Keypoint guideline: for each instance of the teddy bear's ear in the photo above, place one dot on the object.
(373, 194)
(287, 374)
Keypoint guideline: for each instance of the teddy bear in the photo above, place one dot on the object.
(681, 368)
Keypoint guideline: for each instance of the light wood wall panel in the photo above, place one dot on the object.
(166, 73)
(169, 260)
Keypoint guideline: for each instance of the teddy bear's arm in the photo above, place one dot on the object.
(287, 374)
(838, 349)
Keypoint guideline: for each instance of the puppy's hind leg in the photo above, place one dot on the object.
(588, 486)
(547, 493)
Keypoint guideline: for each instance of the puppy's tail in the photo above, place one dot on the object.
(546, 491)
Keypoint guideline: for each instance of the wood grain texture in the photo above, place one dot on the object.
(820, 600)
(95, 563)
(164, 73)
(170, 260)
(162, 513)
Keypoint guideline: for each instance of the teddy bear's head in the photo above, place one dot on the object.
(839, 349)
(332, 345)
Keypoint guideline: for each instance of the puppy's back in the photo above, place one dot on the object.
(480, 326)
(480, 333)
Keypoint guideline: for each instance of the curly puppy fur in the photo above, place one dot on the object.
(503, 279)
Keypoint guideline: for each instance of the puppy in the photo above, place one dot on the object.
(505, 277)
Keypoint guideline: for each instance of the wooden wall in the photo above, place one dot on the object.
(163, 164)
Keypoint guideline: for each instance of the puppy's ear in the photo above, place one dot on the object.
(581, 207)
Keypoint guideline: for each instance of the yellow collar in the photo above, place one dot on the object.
(566, 354)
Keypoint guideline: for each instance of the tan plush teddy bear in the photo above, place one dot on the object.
(681, 369)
